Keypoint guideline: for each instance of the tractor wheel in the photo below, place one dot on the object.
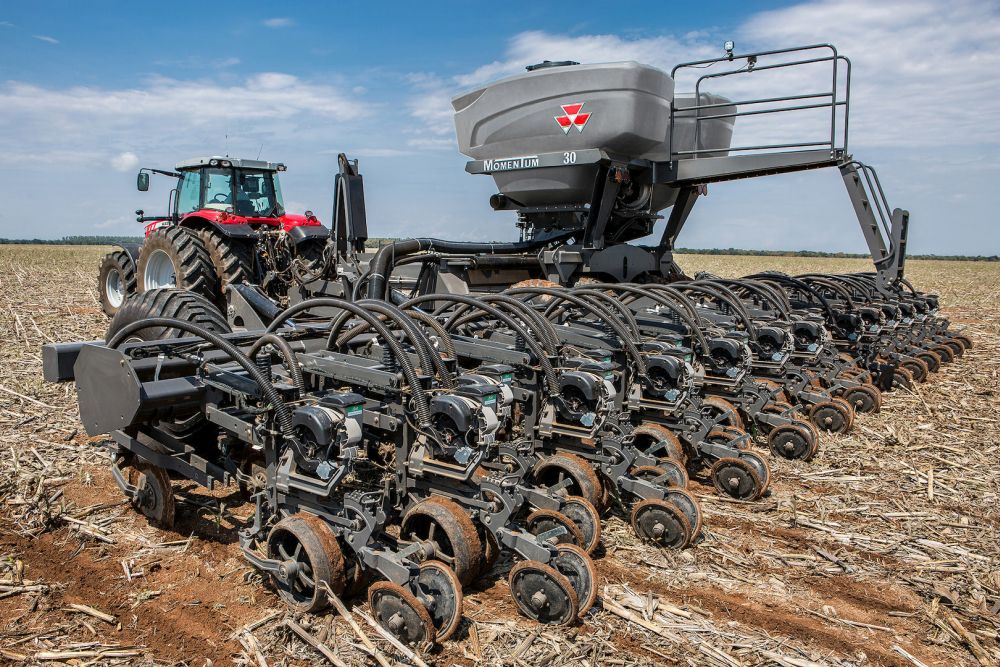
(232, 259)
(176, 257)
(115, 281)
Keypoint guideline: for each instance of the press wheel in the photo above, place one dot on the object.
(154, 497)
(687, 504)
(792, 441)
(543, 594)
(863, 398)
(309, 555)
(400, 612)
(831, 416)
(583, 513)
(776, 389)
(668, 471)
(930, 358)
(657, 440)
(575, 564)
(902, 378)
(443, 524)
(917, 367)
(945, 352)
(542, 521)
(736, 478)
(661, 523)
(583, 481)
(956, 347)
(718, 406)
(965, 341)
(440, 591)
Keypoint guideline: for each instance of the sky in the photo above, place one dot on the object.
(88, 94)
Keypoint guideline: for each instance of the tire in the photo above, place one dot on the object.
(182, 252)
(174, 303)
(232, 260)
(115, 281)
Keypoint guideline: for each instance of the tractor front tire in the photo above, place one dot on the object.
(176, 257)
(115, 281)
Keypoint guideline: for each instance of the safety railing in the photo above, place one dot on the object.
(839, 76)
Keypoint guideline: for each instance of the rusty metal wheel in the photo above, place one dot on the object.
(945, 352)
(931, 359)
(571, 474)
(833, 416)
(964, 340)
(776, 388)
(543, 521)
(793, 441)
(575, 564)
(309, 554)
(658, 440)
(956, 347)
(902, 378)
(737, 478)
(543, 594)
(917, 367)
(863, 398)
(662, 523)
(719, 407)
(154, 497)
(448, 529)
(583, 513)
(400, 612)
(440, 592)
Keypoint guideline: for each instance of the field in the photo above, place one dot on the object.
(885, 550)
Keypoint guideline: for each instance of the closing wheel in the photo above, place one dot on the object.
(448, 529)
(583, 513)
(792, 441)
(863, 398)
(945, 352)
(724, 435)
(557, 469)
(737, 478)
(902, 378)
(687, 504)
(543, 594)
(760, 465)
(956, 347)
(400, 612)
(964, 340)
(542, 521)
(575, 564)
(930, 358)
(439, 590)
(669, 472)
(309, 554)
(660, 522)
(831, 416)
(776, 389)
(657, 440)
(917, 367)
(718, 406)
(154, 497)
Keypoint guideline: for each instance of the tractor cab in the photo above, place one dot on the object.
(245, 188)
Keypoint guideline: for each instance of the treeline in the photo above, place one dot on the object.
(379, 242)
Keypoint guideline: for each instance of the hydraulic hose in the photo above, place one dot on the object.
(274, 398)
(287, 353)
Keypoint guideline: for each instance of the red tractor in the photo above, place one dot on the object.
(226, 225)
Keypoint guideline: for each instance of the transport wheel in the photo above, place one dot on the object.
(831, 416)
(310, 555)
(718, 406)
(661, 523)
(448, 529)
(737, 478)
(930, 358)
(657, 440)
(543, 594)
(155, 497)
(542, 521)
(964, 340)
(441, 594)
(177, 304)
(792, 441)
(400, 612)
(176, 257)
(956, 347)
(671, 471)
(776, 389)
(902, 378)
(583, 513)
(232, 260)
(555, 469)
(917, 367)
(945, 352)
(863, 398)
(575, 564)
(115, 281)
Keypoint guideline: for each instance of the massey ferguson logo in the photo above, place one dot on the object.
(572, 117)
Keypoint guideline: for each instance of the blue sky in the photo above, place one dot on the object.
(89, 94)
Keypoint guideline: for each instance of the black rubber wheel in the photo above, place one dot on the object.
(902, 378)
(542, 521)
(657, 440)
(832, 416)
(173, 303)
(176, 257)
(115, 281)
(155, 496)
(555, 469)
(583, 513)
(956, 347)
(931, 359)
(945, 352)
(310, 555)
(716, 407)
(232, 260)
(917, 368)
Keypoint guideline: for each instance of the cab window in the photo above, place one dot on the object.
(218, 189)
(255, 196)
(189, 195)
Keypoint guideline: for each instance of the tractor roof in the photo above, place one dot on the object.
(238, 163)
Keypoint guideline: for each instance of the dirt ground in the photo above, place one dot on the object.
(881, 551)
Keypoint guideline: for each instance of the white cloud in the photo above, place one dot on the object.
(6, 24)
(46, 38)
(126, 161)
(278, 22)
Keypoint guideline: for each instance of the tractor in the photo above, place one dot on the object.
(226, 225)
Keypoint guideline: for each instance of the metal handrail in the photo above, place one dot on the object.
(840, 65)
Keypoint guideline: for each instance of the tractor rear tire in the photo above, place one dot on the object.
(178, 304)
(232, 259)
(115, 281)
(176, 257)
